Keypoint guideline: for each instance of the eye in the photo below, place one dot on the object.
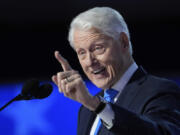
(99, 49)
(81, 54)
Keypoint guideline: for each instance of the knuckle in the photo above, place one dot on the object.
(59, 74)
(74, 71)
(78, 76)
(67, 91)
(68, 88)
(63, 82)
(78, 80)
(59, 88)
(62, 75)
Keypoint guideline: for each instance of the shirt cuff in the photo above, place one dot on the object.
(107, 116)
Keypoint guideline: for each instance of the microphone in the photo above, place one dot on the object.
(32, 90)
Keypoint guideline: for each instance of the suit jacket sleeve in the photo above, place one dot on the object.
(160, 115)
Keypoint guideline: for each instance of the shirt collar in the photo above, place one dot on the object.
(120, 84)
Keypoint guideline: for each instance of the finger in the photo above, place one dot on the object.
(54, 79)
(74, 81)
(66, 74)
(64, 63)
(70, 89)
(61, 82)
(63, 85)
(73, 77)
(70, 84)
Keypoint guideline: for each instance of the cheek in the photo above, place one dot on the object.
(108, 59)
(113, 62)
(112, 66)
(83, 65)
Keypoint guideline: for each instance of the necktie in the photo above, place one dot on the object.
(109, 96)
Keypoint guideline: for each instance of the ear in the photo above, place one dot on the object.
(124, 41)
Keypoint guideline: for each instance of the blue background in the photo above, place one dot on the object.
(55, 115)
(31, 30)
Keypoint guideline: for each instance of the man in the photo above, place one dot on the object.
(143, 104)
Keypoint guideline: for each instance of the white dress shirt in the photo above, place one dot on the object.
(107, 114)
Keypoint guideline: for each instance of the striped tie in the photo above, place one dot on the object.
(109, 96)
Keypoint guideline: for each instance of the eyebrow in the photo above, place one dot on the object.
(101, 40)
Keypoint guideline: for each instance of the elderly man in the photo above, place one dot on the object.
(132, 102)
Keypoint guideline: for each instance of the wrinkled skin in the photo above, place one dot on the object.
(103, 59)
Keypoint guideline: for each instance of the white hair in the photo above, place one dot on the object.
(107, 20)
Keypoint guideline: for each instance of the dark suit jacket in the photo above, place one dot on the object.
(148, 105)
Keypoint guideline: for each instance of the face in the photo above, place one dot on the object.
(101, 57)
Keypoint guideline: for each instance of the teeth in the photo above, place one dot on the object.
(98, 71)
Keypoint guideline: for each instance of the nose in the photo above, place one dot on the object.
(91, 59)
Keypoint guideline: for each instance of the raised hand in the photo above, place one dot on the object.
(71, 84)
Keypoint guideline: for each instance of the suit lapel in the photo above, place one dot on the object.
(131, 89)
(138, 75)
(128, 94)
(89, 119)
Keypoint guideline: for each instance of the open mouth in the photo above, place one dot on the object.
(99, 71)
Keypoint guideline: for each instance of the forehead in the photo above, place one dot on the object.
(88, 37)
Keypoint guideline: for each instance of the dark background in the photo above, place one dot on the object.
(31, 30)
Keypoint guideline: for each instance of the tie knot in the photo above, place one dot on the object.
(110, 94)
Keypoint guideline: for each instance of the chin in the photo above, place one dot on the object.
(101, 85)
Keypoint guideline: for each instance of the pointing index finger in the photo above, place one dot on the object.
(64, 63)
